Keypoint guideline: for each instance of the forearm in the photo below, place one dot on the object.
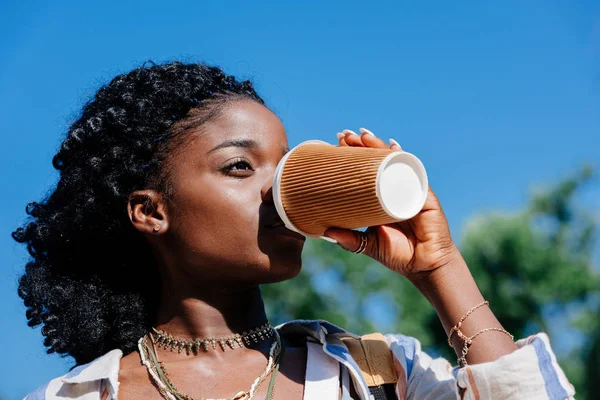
(452, 291)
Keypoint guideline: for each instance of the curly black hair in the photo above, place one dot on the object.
(85, 282)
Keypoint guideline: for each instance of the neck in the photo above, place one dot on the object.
(212, 313)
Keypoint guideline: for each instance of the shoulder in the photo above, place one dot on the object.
(405, 349)
(40, 392)
(83, 380)
(327, 332)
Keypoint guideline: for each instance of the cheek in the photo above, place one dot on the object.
(215, 220)
(234, 216)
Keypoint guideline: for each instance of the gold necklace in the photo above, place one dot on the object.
(168, 389)
(245, 339)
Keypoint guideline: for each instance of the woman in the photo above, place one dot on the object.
(146, 262)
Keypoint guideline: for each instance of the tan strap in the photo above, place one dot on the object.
(374, 357)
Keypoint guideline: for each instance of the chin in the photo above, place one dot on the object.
(283, 271)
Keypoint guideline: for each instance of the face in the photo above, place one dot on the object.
(222, 222)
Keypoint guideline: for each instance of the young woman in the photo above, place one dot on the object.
(146, 262)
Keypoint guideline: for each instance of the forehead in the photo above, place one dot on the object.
(243, 120)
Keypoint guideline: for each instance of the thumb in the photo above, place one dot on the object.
(347, 239)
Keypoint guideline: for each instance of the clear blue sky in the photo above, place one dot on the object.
(493, 96)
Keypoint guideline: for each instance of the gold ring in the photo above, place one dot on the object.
(363, 243)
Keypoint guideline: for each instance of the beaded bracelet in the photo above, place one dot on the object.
(467, 341)
(456, 328)
(462, 361)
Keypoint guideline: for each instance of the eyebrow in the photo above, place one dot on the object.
(246, 144)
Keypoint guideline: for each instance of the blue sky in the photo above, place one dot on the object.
(494, 97)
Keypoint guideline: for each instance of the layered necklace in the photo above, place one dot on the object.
(148, 344)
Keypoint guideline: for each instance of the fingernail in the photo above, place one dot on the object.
(330, 240)
(349, 131)
(366, 131)
(340, 135)
(394, 143)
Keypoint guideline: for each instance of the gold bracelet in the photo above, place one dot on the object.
(462, 361)
(456, 328)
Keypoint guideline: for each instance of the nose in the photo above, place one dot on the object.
(266, 192)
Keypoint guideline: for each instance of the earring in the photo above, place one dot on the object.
(156, 228)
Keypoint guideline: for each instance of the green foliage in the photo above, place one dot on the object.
(592, 360)
(535, 267)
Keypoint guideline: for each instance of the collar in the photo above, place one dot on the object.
(330, 337)
(320, 330)
(104, 367)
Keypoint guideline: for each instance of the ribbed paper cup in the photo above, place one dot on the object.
(319, 186)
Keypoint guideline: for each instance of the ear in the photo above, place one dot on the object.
(148, 212)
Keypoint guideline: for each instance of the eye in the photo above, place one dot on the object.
(239, 168)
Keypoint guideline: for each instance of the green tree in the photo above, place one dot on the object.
(535, 267)
(592, 359)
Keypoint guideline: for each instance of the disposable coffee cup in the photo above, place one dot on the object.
(319, 186)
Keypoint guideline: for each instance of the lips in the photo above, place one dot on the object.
(273, 221)
(275, 224)
(281, 230)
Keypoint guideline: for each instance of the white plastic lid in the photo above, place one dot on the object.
(402, 185)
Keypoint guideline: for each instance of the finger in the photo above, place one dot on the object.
(341, 139)
(431, 202)
(395, 145)
(352, 138)
(370, 140)
(350, 240)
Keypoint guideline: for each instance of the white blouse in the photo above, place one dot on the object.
(531, 372)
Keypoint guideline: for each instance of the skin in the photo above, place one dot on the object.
(214, 247)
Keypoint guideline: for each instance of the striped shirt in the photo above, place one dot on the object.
(531, 372)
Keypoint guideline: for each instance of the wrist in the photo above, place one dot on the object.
(450, 289)
(451, 261)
